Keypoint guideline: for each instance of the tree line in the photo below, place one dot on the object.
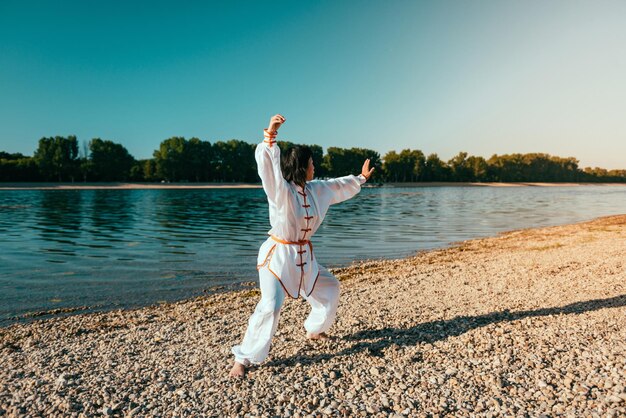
(61, 159)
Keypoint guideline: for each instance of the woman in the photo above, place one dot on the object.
(286, 262)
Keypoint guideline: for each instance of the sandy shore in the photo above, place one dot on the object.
(139, 186)
(528, 323)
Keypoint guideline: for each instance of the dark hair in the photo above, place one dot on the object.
(294, 163)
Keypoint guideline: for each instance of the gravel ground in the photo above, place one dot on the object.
(528, 323)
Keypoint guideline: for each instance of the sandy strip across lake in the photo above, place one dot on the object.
(184, 186)
(527, 323)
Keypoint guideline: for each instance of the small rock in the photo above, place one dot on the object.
(134, 411)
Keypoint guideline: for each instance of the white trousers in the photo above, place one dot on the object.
(264, 321)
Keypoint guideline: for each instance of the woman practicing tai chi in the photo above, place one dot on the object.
(286, 262)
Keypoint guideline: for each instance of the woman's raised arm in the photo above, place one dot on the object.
(267, 155)
(342, 188)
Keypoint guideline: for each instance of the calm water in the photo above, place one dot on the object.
(120, 248)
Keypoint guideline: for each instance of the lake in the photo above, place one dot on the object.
(124, 248)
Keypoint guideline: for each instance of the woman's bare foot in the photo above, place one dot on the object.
(238, 370)
(320, 336)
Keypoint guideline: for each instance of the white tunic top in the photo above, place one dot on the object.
(295, 215)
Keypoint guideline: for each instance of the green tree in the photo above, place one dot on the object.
(340, 162)
(408, 165)
(180, 160)
(109, 161)
(534, 167)
(57, 157)
(18, 168)
(136, 171)
(393, 167)
(10, 157)
(233, 160)
(149, 170)
(478, 167)
(435, 169)
(198, 156)
(507, 168)
(460, 168)
(170, 159)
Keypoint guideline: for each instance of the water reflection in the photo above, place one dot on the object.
(222, 216)
(111, 211)
(59, 216)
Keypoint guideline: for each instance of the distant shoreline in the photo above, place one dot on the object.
(183, 186)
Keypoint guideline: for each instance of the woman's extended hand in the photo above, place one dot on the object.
(275, 122)
(366, 171)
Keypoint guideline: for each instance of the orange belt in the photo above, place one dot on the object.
(282, 241)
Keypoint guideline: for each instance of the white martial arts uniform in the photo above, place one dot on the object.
(286, 262)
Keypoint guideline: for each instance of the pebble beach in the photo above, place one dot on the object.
(528, 323)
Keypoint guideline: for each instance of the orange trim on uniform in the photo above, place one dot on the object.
(267, 257)
(314, 283)
(269, 137)
(282, 285)
(301, 265)
(266, 264)
(282, 241)
(306, 207)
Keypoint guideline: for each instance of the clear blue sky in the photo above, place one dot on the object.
(478, 76)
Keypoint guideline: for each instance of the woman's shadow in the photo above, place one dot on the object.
(374, 341)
